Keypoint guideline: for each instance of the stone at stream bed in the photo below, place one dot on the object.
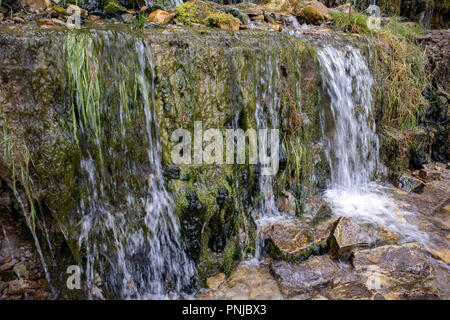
(393, 265)
(286, 202)
(320, 7)
(160, 16)
(214, 282)
(289, 242)
(345, 236)
(407, 183)
(310, 15)
(351, 291)
(428, 175)
(245, 282)
(298, 278)
(51, 23)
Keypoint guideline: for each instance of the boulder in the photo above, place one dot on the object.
(286, 202)
(289, 242)
(214, 282)
(393, 265)
(51, 23)
(160, 16)
(407, 183)
(428, 175)
(310, 15)
(299, 278)
(246, 282)
(33, 5)
(320, 7)
(351, 291)
(345, 235)
(199, 12)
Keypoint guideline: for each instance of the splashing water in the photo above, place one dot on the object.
(353, 147)
(127, 221)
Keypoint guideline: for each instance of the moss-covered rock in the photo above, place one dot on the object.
(113, 7)
(200, 12)
(310, 15)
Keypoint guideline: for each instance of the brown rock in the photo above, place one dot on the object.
(351, 291)
(298, 278)
(24, 286)
(429, 175)
(345, 236)
(18, 20)
(394, 265)
(51, 23)
(214, 282)
(71, 9)
(34, 5)
(277, 27)
(286, 202)
(232, 24)
(160, 16)
(320, 7)
(289, 242)
(127, 17)
(93, 18)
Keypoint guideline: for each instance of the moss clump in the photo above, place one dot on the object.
(310, 15)
(113, 8)
(60, 11)
(202, 13)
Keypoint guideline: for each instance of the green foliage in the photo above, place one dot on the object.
(354, 22)
(400, 64)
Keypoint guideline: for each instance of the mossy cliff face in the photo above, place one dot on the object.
(209, 76)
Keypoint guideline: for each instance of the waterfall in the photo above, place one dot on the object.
(128, 225)
(353, 143)
(266, 116)
(353, 147)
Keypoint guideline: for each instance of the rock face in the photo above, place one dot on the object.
(345, 236)
(407, 183)
(298, 278)
(289, 242)
(393, 265)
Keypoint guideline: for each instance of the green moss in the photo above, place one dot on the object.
(202, 13)
(216, 19)
(310, 15)
(113, 8)
(60, 11)
(230, 254)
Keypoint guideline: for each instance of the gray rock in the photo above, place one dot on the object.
(298, 278)
(393, 265)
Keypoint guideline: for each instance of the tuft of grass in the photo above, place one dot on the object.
(400, 64)
(354, 22)
(82, 66)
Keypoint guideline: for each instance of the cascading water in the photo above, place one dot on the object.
(353, 146)
(266, 116)
(128, 226)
